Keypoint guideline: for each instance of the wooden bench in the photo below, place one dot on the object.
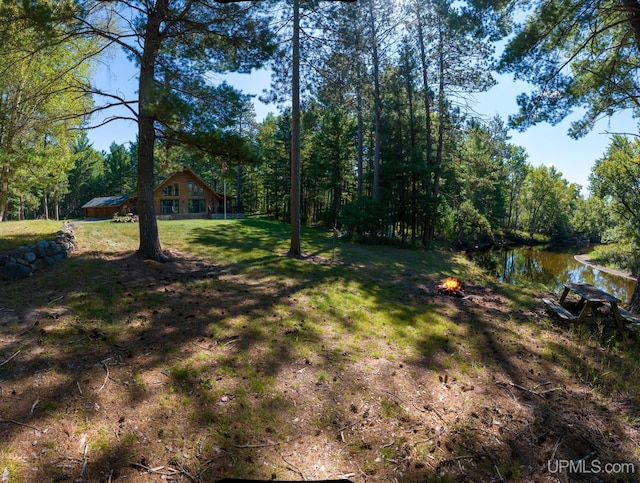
(634, 325)
(559, 309)
(628, 316)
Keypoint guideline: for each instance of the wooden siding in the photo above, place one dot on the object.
(102, 211)
(164, 195)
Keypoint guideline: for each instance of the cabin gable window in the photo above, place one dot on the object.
(195, 190)
(171, 190)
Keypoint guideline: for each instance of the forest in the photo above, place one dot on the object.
(389, 150)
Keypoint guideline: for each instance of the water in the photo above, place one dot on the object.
(549, 267)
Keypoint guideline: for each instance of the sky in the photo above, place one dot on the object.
(545, 144)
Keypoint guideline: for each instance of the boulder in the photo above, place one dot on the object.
(15, 271)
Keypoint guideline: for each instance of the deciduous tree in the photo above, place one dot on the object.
(615, 178)
(43, 98)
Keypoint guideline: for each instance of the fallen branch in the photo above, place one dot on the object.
(153, 470)
(256, 445)
(294, 467)
(29, 328)
(10, 358)
(347, 426)
(55, 299)
(106, 368)
(84, 460)
(202, 347)
(168, 472)
(555, 449)
(34, 406)
(2, 420)
(526, 389)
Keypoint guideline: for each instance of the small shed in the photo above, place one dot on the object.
(107, 206)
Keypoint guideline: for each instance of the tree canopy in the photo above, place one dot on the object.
(575, 53)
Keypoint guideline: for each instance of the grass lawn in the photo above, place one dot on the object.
(17, 233)
(234, 360)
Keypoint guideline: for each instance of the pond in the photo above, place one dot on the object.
(549, 267)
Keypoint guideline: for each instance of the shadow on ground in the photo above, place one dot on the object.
(116, 368)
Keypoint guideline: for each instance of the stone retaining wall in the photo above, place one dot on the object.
(23, 261)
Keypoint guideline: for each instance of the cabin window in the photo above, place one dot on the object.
(171, 190)
(168, 207)
(197, 206)
(195, 190)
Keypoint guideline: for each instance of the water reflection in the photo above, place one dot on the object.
(550, 267)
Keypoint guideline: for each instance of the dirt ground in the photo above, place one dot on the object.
(161, 400)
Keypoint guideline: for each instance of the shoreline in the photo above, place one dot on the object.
(584, 259)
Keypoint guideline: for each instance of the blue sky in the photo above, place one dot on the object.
(545, 144)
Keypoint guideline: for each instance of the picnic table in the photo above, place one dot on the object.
(590, 299)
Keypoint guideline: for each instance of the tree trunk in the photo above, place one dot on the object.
(427, 234)
(375, 60)
(239, 208)
(4, 192)
(441, 116)
(295, 248)
(360, 146)
(634, 304)
(632, 7)
(149, 239)
(45, 205)
(413, 142)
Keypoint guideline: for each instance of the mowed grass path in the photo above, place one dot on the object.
(363, 290)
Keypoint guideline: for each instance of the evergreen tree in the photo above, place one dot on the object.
(176, 45)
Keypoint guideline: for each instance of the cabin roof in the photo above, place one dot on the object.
(194, 175)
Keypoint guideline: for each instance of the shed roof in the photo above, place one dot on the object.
(106, 201)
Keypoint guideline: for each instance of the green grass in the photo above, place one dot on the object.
(618, 256)
(17, 233)
(263, 349)
(359, 299)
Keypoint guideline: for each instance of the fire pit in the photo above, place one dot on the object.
(451, 286)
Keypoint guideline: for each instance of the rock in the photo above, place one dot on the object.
(23, 261)
(15, 271)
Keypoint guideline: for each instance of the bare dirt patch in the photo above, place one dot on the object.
(192, 373)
